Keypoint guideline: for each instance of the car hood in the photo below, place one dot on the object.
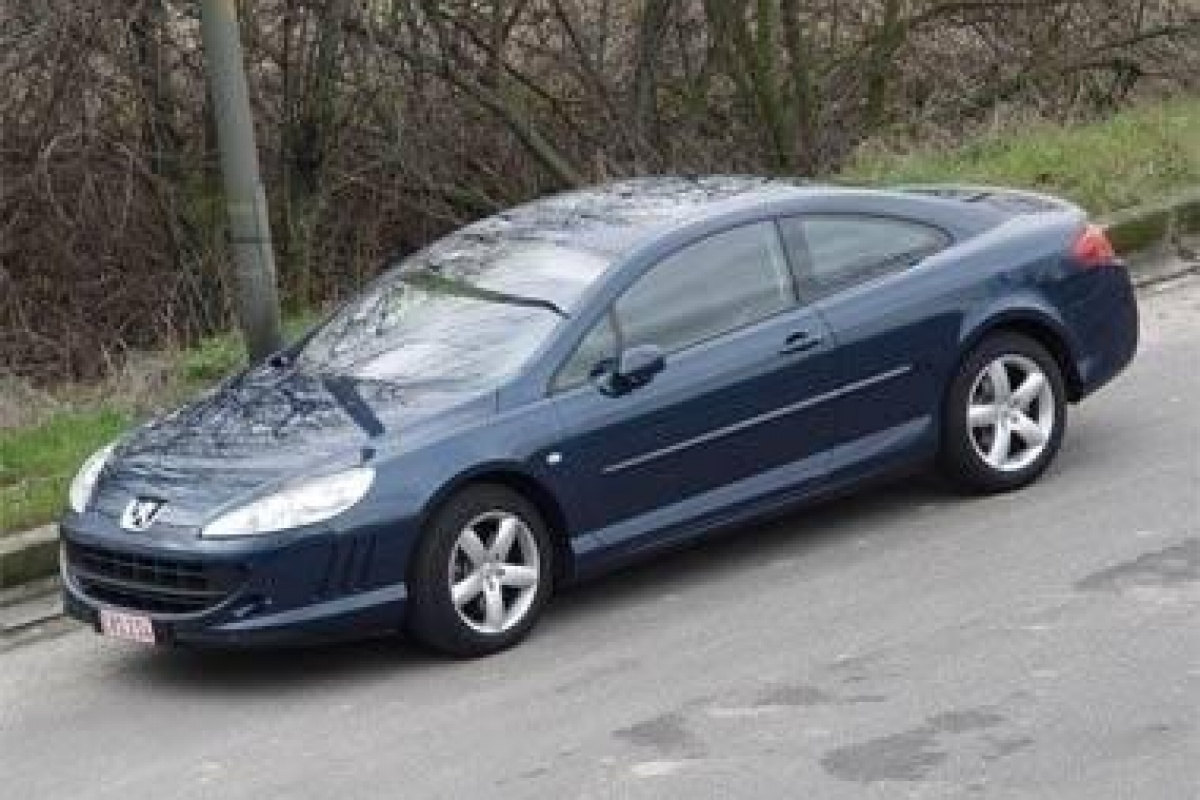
(262, 428)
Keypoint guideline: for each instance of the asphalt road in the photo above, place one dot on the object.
(904, 643)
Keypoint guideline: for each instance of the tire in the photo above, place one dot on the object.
(487, 579)
(988, 402)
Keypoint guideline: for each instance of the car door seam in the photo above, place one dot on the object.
(750, 422)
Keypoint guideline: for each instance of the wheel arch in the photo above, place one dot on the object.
(516, 479)
(1036, 325)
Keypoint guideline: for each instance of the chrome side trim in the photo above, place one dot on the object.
(720, 433)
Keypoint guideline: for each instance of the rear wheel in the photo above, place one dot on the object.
(481, 574)
(1005, 417)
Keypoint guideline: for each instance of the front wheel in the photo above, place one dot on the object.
(1005, 417)
(481, 574)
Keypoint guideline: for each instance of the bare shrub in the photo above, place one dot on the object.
(384, 123)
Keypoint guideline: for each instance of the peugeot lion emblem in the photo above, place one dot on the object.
(140, 514)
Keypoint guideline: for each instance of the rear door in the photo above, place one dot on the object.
(742, 359)
(885, 316)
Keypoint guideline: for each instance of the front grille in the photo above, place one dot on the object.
(150, 583)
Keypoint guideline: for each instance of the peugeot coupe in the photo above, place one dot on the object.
(558, 389)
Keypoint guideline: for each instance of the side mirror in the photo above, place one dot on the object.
(640, 365)
(635, 368)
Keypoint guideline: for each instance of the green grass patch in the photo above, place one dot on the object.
(38, 463)
(212, 359)
(217, 356)
(1141, 155)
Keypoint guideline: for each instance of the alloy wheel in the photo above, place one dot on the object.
(495, 570)
(1010, 417)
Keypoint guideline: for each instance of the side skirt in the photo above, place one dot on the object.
(835, 472)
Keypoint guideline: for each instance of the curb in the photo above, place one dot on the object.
(1153, 226)
(1150, 236)
(29, 606)
(29, 556)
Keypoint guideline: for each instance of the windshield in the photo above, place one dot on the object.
(463, 315)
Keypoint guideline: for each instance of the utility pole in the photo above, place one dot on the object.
(249, 224)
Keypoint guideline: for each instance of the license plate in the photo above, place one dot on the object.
(130, 627)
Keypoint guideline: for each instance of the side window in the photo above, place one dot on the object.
(715, 286)
(836, 251)
(599, 345)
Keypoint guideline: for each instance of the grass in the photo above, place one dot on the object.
(1141, 155)
(37, 463)
(220, 355)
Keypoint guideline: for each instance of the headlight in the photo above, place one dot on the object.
(85, 480)
(304, 503)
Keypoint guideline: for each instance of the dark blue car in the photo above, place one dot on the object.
(560, 388)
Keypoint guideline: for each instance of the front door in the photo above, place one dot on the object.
(739, 396)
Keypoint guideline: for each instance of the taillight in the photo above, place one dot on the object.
(1093, 248)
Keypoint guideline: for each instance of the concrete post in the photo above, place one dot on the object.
(249, 224)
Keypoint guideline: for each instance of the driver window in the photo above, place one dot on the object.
(722, 283)
(725, 282)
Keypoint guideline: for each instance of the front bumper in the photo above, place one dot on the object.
(309, 586)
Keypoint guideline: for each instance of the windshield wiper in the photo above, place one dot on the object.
(345, 393)
(440, 284)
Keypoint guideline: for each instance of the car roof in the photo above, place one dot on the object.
(554, 248)
(615, 217)
(567, 240)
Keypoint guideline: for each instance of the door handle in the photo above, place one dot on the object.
(800, 342)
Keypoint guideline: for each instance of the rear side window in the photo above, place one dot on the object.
(715, 286)
(837, 251)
